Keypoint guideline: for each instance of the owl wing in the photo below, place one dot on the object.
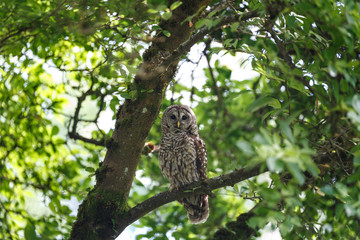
(201, 156)
(197, 205)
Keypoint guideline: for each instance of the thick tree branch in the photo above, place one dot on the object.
(206, 186)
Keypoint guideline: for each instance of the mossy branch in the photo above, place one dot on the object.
(205, 186)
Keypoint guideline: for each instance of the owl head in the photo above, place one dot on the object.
(179, 118)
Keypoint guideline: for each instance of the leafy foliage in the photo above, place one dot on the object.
(66, 67)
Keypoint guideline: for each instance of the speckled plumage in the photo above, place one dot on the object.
(182, 157)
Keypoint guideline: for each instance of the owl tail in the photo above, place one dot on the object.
(197, 207)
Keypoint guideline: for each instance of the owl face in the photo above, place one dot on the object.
(179, 118)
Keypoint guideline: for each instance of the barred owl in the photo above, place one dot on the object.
(182, 158)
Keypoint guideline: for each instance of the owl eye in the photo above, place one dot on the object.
(173, 117)
(184, 117)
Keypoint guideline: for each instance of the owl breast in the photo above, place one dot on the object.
(177, 158)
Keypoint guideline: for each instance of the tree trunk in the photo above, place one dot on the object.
(100, 212)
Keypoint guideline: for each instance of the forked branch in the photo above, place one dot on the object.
(197, 37)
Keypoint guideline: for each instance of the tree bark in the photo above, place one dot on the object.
(98, 215)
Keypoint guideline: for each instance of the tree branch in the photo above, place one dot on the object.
(212, 76)
(77, 136)
(73, 133)
(217, 90)
(206, 186)
(185, 47)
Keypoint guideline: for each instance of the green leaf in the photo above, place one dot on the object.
(235, 26)
(286, 130)
(357, 161)
(349, 210)
(54, 130)
(175, 5)
(290, 21)
(274, 164)
(336, 90)
(206, 22)
(114, 103)
(328, 190)
(166, 33)
(89, 169)
(296, 172)
(344, 86)
(339, 211)
(52, 207)
(29, 232)
(166, 16)
(125, 95)
(263, 102)
(156, 27)
(245, 147)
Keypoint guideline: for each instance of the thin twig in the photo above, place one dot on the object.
(73, 133)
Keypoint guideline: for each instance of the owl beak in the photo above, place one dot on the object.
(178, 124)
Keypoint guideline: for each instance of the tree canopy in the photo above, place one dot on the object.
(83, 85)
